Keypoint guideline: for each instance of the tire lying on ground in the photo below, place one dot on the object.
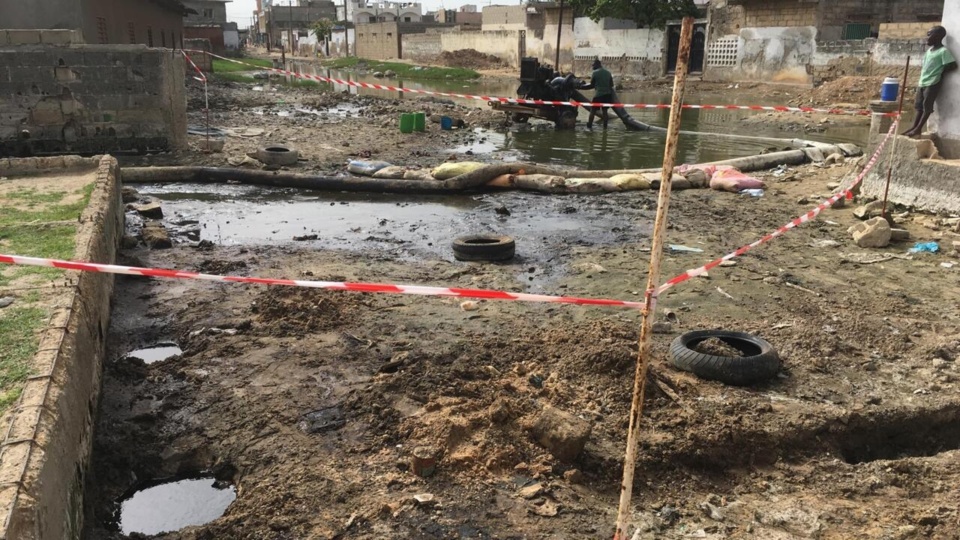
(484, 247)
(278, 155)
(758, 362)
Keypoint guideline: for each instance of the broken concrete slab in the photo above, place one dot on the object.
(869, 210)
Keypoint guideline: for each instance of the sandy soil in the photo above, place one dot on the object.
(856, 438)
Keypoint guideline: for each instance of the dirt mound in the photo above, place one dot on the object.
(287, 311)
(470, 59)
(845, 90)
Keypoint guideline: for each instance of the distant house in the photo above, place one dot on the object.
(208, 20)
(155, 23)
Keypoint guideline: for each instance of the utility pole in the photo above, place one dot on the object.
(559, 32)
(346, 28)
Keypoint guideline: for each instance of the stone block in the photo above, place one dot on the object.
(60, 37)
(873, 233)
(23, 37)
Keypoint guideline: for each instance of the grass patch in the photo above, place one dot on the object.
(54, 212)
(246, 78)
(31, 197)
(403, 71)
(18, 344)
(224, 66)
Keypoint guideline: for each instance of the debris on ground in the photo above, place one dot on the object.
(470, 59)
(716, 347)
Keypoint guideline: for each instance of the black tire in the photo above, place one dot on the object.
(278, 155)
(484, 247)
(567, 119)
(760, 361)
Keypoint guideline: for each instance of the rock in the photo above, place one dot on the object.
(390, 73)
(149, 210)
(562, 433)
(869, 210)
(469, 305)
(502, 210)
(129, 241)
(531, 491)
(899, 235)
(712, 511)
(803, 200)
(833, 185)
(662, 327)
(155, 236)
(547, 509)
(834, 158)
(6, 301)
(378, 74)
(873, 233)
(129, 194)
(931, 223)
(574, 476)
(425, 500)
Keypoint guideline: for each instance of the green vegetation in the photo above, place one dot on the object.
(225, 66)
(18, 344)
(247, 78)
(41, 226)
(403, 71)
(646, 13)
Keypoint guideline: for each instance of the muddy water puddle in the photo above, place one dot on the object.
(407, 226)
(171, 506)
(156, 353)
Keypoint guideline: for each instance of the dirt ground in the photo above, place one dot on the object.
(856, 438)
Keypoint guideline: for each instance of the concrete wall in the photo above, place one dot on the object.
(211, 33)
(931, 185)
(781, 54)
(64, 14)
(378, 41)
(504, 18)
(947, 117)
(835, 14)
(47, 448)
(866, 58)
(636, 52)
(338, 42)
(90, 99)
(900, 31)
(203, 61)
(421, 47)
(130, 22)
(779, 13)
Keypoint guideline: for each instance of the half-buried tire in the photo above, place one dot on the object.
(758, 360)
(484, 247)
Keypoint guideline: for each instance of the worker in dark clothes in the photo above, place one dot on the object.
(936, 63)
(602, 82)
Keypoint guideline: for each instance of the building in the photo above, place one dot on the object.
(289, 26)
(361, 11)
(384, 40)
(521, 17)
(206, 12)
(155, 23)
(464, 16)
(208, 20)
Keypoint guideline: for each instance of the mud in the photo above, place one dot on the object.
(311, 402)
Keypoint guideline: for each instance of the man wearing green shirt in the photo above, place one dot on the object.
(602, 81)
(936, 62)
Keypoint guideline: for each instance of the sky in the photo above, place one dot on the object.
(240, 11)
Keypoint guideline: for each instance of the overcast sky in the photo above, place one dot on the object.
(240, 11)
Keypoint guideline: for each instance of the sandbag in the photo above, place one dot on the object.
(540, 182)
(420, 174)
(629, 182)
(450, 170)
(395, 172)
(735, 181)
(366, 168)
(502, 181)
(589, 185)
(697, 177)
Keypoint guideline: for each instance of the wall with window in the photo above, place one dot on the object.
(860, 19)
(208, 12)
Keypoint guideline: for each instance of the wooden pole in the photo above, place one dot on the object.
(886, 189)
(653, 280)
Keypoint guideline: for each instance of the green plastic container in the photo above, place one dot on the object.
(406, 123)
(419, 121)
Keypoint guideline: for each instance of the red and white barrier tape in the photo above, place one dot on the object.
(521, 101)
(202, 77)
(812, 214)
(483, 294)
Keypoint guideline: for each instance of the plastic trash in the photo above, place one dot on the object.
(925, 247)
(781, 170)
(752, 192)
(366, 168)
(677, 248)
(734, 180)
(446, 123)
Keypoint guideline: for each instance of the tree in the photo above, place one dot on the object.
(323, 29)
(646, 13)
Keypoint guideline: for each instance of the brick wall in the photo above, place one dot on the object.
(772, 13)
(905, 30)
(836, 14)
(90, 99)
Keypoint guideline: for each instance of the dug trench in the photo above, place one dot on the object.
(311, 403)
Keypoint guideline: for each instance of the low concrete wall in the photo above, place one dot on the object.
(421, 47)
(634, 52)
(931, 185)
(44, 456)
(91, 99)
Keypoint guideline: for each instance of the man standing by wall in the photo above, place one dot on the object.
(936, 62)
